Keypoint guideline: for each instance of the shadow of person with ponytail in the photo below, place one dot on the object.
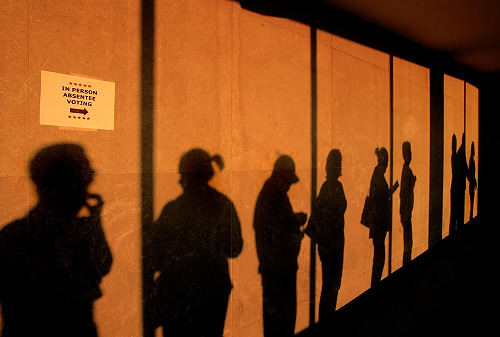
(381, 195)
(192, 241)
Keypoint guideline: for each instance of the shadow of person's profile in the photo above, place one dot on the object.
(52, 261)
(406, 195)
(278, 237)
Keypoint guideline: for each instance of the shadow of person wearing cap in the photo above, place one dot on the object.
(192, 241)
(52, 261)
(278, 236)
(326, 228)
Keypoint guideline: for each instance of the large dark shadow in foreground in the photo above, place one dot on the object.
(52, 261)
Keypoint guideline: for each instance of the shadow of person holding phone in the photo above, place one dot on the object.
(52, 261)
(278, 236)
(381, 195)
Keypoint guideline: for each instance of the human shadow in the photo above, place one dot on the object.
(471, 177)
(406, 195)
(278, 236)
(380, 223)
(192, 240)
(326, 228)
(459, 173)
(52, 261)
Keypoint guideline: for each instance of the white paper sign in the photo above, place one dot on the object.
(75, 101)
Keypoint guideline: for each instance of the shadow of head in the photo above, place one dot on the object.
(195, 167)
(407, 152)
(382, 157)
(334, 164)
(61, 173)
(284, 172)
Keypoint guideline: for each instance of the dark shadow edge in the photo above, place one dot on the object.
(147, 129)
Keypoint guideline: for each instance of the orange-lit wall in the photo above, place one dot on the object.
(354, 117)
(453, 125)
(471, 135)
(98, 39)
(235, 83)
(461, 115)
(272, 77)
(411, 124)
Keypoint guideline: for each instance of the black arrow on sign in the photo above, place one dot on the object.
(79, 111)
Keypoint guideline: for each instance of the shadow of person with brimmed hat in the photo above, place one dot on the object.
(278, 236)
(192, 241)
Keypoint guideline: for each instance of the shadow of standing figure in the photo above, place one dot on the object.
(192, 241)
(406, 195)
(381, 222)
(278, 237)
(52, 261)
(471, 176)
(326, 228)
(459, 173)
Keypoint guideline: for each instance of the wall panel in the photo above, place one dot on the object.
(97, 43)
(360, 123)
(453, 125)
(273, 118)
(192, 94)
(411, 124)
(471, 135)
